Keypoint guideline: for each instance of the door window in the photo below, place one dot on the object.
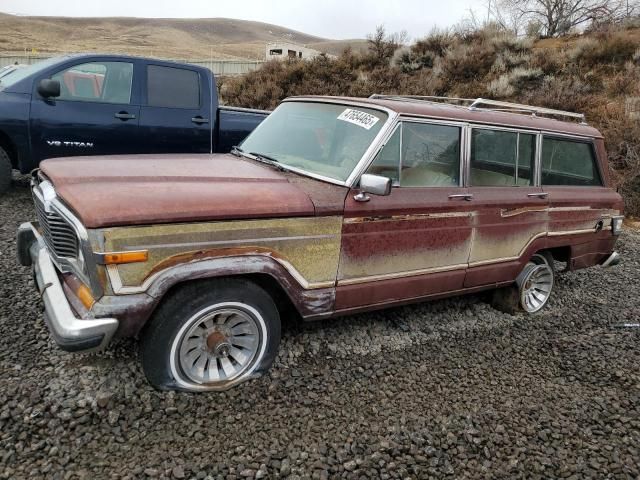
(421, 155)
(568, 162)
(172, 87)
(500, 158)
(104, 82)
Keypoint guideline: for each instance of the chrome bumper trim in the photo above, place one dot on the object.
(611, 260)
(70, 332)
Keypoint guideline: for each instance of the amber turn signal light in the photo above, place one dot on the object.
(115, 258)
(84, 294)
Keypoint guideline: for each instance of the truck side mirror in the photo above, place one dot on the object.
(48, 88)
(374, 184)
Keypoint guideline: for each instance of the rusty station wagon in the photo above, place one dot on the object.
(331, 206)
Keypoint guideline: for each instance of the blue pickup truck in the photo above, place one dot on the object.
(112, 104)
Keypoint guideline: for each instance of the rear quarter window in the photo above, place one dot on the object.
(569, 162)
(172, 87)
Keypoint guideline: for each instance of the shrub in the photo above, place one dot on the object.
(508, 42)
(622, 134)
(505, 61)
(522, 78)
(626, 82)
(608, 49)
(436, 43)
(501, 87)
(464, 62)
(550, 61)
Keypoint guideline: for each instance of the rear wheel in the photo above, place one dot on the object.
(211, 335)
(536, 282)
(5, 171)
(532, 289)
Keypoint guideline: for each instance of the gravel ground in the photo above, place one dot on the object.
(449, 388)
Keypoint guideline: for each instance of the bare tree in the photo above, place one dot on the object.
(558, 17)
(383, 45)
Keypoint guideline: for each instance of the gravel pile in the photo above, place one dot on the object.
(449, 388)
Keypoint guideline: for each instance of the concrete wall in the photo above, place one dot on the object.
(298, 51)
(219, 67)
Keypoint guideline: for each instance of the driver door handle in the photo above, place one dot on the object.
(464, 196)
(199, 120)
(539, 194)
(125, 116)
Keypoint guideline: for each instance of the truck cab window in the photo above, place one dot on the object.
(172, 87)
(104, 82)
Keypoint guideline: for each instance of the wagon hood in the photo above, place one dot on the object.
(147, 189)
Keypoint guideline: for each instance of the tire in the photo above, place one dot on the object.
(6, 170)
(532, 288)
(210, 335)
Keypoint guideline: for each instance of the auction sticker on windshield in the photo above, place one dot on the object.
(357, 117)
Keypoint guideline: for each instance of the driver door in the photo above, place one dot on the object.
(415, 242)
(95, 114)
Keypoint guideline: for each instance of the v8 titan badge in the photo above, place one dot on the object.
(358, 117)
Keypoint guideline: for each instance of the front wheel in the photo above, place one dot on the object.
(211, 335)
(6, 170)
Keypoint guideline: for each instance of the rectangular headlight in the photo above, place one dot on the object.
(616, 225)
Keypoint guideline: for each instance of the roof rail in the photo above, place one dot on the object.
(486, 104)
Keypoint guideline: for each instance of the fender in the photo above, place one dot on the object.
(310, 302)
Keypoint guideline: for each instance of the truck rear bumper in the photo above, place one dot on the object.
(70, 332)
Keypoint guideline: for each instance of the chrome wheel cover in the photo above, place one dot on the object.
(218, 347)
(535, 284)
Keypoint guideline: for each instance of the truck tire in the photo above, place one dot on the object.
(532, 288)
(210, 335)
(5, 171)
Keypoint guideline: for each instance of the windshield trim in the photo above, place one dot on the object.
(368, 154)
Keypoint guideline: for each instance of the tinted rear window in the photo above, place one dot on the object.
(172, 87)
(568, 162)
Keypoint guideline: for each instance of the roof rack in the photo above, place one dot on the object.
(485, 104)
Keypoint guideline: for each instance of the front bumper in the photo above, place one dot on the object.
(71, 333)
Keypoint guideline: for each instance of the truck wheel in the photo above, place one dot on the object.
(532, 289)
(211, 335)
(5, 171)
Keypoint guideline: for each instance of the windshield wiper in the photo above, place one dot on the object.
(265, 157)
(261, 157)
(237, 151)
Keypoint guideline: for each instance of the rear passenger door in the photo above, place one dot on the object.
(571, 177)
(175, 116)
(510, 207)
(414, 242)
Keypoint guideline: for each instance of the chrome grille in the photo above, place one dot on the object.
(60, 237)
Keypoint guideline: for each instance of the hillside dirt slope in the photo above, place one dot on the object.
(173, 38)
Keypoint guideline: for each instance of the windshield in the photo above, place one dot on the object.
(21, 73)
(319, 138)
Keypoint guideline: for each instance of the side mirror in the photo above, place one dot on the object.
(48, 88)
(373, 184)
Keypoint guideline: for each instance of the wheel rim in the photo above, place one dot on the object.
(218, 346)
(536, 286)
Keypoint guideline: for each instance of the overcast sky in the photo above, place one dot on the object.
(338, 19)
